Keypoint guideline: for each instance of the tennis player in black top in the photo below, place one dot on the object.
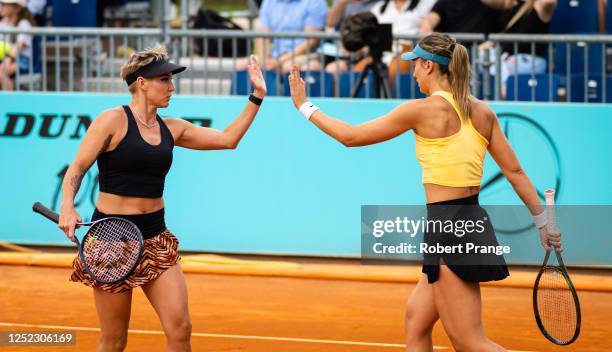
(133, 147)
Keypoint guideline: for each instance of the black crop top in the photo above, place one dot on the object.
(136, 168)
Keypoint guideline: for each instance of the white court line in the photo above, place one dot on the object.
(227, 336)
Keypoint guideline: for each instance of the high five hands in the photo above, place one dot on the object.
(257, 78)
(297, 87)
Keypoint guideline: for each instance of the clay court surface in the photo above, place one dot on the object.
(269, 314)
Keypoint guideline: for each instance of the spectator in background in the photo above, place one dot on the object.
(38, 9)
(465, 16)
(526, 17)
(14, 14)
(405, 16)
(341, 9)
(280, 16)
(193, 7)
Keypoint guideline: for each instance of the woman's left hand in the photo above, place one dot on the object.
(297, 87)
(551, 240)
(257, 78)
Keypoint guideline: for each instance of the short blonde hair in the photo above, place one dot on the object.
(143, 58)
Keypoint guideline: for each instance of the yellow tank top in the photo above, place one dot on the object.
(456, 160)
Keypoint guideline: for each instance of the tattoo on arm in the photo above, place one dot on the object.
(75, 181)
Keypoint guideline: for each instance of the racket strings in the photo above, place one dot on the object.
(556, 305)
(111, 249)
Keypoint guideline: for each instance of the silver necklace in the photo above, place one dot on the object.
(142, 122)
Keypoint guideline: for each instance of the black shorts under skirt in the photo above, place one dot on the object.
(469, 267)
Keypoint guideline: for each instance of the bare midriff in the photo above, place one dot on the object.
(116, 204)
(437, 193)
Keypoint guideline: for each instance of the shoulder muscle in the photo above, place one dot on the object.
(483, 118)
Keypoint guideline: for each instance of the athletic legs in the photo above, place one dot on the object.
(421, 316)
(459, 305)
(114, 316)
(168, 296)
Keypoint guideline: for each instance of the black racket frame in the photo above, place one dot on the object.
(563, 271)
(53, 216)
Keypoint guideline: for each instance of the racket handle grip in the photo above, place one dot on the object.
(46, 212)
(549, 194)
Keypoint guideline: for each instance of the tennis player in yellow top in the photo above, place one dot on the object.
(453, 132)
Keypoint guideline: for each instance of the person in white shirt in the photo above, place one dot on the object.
(14, 14)
(405, 17)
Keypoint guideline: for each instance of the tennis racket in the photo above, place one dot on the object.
(111, 248)
(555, 301)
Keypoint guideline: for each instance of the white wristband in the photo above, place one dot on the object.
(540, 220)
(307, 109)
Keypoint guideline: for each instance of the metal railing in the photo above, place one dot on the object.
(89, 59)
(577, 67)
(75, 59)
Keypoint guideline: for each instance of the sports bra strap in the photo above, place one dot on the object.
(448, 96)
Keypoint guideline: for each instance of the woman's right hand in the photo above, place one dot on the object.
(257, 79)
(68, 221)
(297, 87)
(551, 239)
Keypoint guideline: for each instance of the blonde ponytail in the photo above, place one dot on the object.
(459, 78)
(458, 69)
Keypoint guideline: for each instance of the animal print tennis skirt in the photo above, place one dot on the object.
(160, 252)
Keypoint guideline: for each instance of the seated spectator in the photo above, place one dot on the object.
(405, 17)
(465, 16)
(529, 17)
(38, 9)
(341, 9)
(14, 14)
(280, 16)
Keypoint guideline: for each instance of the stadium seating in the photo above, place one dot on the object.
(575, 16)
(594, 89)
(319, 84)
(240, 83)
(577, 59)
(407, 87)
(349, 79)
(538, 85)
(75, 13)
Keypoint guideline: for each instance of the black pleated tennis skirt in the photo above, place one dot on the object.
(472, 265)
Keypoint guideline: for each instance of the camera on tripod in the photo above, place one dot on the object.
(363, 29)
